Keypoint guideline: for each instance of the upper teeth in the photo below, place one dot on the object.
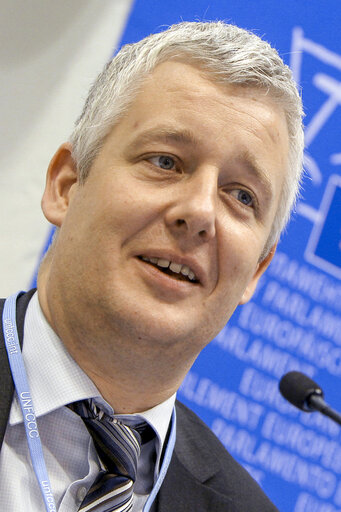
(178, 268)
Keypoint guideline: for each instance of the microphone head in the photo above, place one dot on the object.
(297, 388)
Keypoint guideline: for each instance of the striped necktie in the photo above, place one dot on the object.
(118, 447)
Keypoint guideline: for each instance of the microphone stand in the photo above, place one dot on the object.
(317, 403)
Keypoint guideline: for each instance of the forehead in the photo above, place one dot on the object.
(179, 92)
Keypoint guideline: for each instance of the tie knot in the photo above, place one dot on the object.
(118, 445)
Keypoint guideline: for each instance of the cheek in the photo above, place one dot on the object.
(239, 249)
(236, 270)
(122, 202)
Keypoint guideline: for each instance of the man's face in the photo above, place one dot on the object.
(190, 179)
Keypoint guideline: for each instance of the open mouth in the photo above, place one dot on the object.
(171, 268)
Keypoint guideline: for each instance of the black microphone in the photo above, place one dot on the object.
(302, 392)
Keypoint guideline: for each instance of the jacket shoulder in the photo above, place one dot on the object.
(201, 452)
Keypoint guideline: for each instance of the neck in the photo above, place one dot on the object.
(127, 392)
(130, 383)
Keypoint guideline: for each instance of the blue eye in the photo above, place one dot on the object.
(244, 197)
(163, 161)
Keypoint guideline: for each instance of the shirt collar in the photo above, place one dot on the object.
(158, 417)
(56, 379)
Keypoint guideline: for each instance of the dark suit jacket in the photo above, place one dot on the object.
(202, 476)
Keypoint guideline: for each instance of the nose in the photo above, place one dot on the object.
(192, 212)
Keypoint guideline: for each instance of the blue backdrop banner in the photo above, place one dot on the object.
(293, 321)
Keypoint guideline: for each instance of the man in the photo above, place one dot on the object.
(169, 200)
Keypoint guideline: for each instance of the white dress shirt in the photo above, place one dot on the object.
(72, 463)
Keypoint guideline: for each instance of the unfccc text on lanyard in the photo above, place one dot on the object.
(24, 395)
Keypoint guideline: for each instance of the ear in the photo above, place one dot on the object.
(262, 266)
(61, 183)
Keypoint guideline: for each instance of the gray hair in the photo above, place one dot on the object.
(228, 55)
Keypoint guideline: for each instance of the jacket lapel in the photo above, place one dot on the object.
(194, 476)
(182, 491)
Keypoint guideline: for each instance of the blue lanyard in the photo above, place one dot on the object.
(165, 464)
(16, 363)
(19, 375)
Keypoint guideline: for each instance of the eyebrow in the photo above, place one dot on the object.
(166, 135)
